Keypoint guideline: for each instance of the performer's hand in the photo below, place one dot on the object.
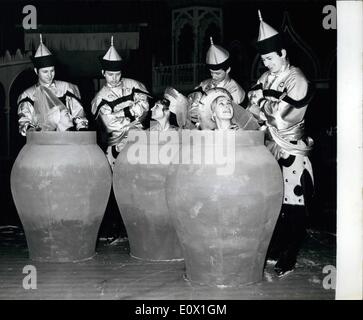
(138, 109)
(143, 104)
(125, 104)
(140, 97)
(31, 128)
(81, 125)
(255, 96)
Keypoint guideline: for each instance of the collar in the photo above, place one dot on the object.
(52, 85)
(116, 86)
(163, 126)
(223, 83)
(281, 71)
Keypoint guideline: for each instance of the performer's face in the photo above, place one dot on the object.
(223, 108)
(273, 61)
(157, 111)
(218, 75)
(112, 77)
(46, 75)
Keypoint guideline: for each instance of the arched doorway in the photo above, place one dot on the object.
(24, 80)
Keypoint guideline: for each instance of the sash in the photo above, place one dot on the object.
(284, 136)
(114, 103)
(284, 97)
(48, 107)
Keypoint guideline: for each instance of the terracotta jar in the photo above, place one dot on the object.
(139, 178)
(61, 183)
(225, 197)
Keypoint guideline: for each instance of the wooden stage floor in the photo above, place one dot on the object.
(113, 274)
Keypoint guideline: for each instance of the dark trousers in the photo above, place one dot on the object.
(288, 236)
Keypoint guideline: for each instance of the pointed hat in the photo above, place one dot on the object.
(217, 57)
(111, 61)
(43, 57)
(269, 39)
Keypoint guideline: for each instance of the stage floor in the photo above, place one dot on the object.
(113, 274)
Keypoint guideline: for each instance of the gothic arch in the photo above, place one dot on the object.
(213, 14)
(180, 21)
(200, 19)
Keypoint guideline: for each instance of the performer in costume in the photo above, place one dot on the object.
(218, 62)
(50, 105)
(279, 101)
(122, 104)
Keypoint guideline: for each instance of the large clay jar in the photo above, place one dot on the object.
(139, 177)
(225, 197)
(60, 183)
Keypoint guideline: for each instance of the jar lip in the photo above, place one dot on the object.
(61, 138)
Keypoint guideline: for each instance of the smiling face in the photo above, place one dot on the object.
(112, 77)
(45, 75)
(222, 108)
(273, 61)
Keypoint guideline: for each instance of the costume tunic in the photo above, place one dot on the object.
(119, 109)
(37, 102)
(286, 97)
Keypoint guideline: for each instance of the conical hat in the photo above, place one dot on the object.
(43, 57)
(111, 61)
(217, 57)
(269, 39)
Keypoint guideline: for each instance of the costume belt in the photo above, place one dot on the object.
(284, 136)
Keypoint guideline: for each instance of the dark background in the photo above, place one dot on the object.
(310, 47)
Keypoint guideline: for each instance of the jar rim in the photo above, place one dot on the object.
(61, 138)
